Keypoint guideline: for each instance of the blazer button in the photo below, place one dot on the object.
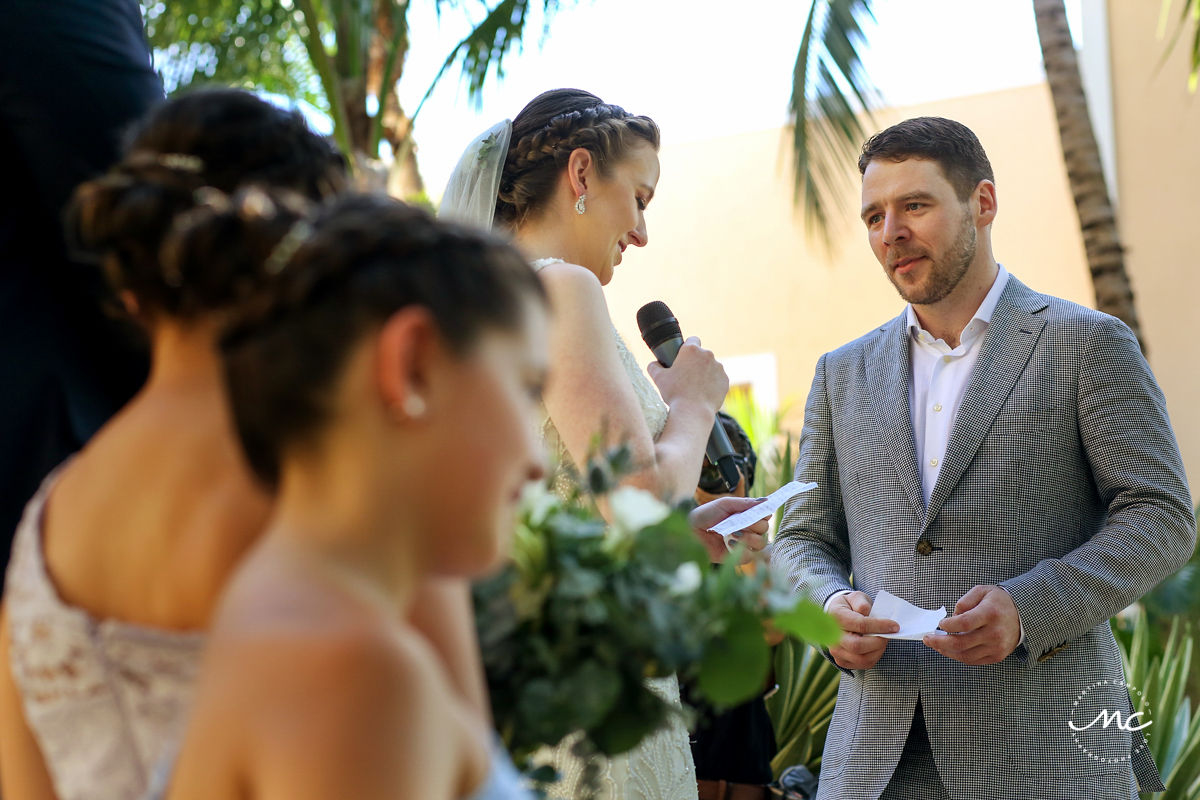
(924, 547)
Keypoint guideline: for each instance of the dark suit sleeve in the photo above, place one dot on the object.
(74, 74)
(812, 543)
(1150, 528)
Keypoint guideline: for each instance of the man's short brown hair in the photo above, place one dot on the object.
(950, 144)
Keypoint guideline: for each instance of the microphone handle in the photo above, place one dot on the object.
(666, 350)
(719, 449)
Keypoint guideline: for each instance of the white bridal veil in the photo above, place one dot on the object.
(470, 196)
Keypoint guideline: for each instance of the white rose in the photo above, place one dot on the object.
(687, 578)
(537, 501)
(634, 509)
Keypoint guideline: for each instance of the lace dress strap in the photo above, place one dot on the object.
(537, 264)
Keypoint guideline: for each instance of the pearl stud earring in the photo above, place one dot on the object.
(414, 406)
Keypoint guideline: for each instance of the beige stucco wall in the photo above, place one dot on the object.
(729, 254)
(1157, 127)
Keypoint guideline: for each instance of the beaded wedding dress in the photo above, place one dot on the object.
(661, 767)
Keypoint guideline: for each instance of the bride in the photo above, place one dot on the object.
(570, 179)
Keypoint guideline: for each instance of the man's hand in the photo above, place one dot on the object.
(985, 625)
(705, 516)
(857, 649)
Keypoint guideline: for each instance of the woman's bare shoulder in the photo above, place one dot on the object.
(362, 703)
(564, 279)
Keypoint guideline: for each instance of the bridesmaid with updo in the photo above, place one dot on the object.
(120, 556)
(386, 387)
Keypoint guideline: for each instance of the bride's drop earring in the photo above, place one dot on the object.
(581, 204)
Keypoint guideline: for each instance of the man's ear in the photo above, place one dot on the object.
(580, 168)
(985, 203)
(408, 346)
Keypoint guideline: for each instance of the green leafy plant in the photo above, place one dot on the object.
(1161, 678)
(774, 446)
(803, 706)
(587, 610)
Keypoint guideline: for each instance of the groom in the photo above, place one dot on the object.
(999, 452)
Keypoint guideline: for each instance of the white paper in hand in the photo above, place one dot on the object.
(743, 520)
(914, 621)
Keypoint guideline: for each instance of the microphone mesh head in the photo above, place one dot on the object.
(651, 314)
(657, 323)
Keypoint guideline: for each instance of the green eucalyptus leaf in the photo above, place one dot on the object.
(541, 706)
(638, 713)
(594, 611)
(579, 583)
(600, 478)
(734, 668)
(668, 544)
(592, 690)
(806, 621)
(543, 774)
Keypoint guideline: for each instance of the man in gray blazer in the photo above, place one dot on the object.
(1004, 454)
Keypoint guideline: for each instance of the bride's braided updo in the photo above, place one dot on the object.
(545, 133)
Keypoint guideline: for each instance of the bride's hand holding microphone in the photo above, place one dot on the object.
(694, 384)
(695, 377)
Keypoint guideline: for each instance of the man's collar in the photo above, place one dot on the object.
(983, 313)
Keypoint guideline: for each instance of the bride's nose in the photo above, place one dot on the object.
(638, 237)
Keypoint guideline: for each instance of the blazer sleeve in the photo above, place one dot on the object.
(812, 544)
(1150, 530)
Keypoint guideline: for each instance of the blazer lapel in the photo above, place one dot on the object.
(888, 374)
(1011, 336)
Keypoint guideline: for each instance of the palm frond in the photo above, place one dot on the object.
(831, 96)
(1189, 12)
(481, 52)
(253, 44)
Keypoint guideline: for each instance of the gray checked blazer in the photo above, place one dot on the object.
(1062, 483)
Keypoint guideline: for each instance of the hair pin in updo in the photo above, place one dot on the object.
(256, 203)
(282, 253)
(181, 162)
(211, 197)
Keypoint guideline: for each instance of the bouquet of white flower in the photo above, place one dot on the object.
(585, 611)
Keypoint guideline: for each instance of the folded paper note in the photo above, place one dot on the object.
(743, 520)
(914, 621)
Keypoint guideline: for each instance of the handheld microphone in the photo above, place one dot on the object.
(660, 332)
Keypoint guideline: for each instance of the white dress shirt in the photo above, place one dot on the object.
(939, 379)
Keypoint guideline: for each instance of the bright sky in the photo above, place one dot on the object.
(708, 72)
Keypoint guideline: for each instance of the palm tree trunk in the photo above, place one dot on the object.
(389, 48)
(1097, 219)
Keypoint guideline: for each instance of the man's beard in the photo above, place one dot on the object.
(945, 273)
